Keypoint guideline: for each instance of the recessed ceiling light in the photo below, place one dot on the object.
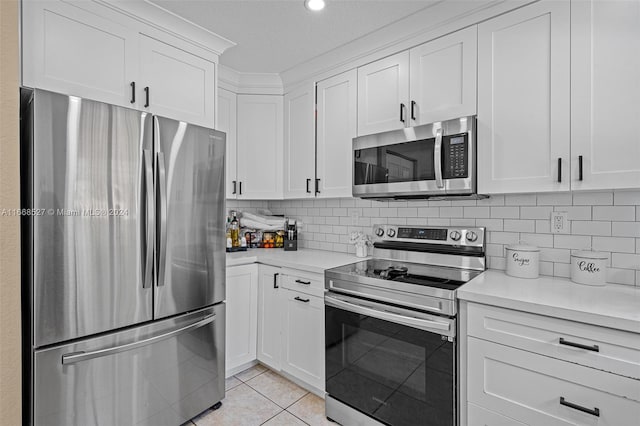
(314, 5)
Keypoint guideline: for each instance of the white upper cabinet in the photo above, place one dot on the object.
(227, 104)
(443, 78)
(180, 85)
(383, 94)
(435, 81)
(260, 147)
(336, 128)
(299, 142)
(68, 50)
(75, 50)
(605, 94)
(523, 100)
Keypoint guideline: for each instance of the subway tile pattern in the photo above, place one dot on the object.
(607, 221)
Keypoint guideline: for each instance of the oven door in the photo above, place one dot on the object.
(393, 364)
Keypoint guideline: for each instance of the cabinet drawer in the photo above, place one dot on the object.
(598, 347)
(479, 416)
(529, 387)
(307, 283)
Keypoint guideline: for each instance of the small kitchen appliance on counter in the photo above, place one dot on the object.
(290, 235)
(391, 326)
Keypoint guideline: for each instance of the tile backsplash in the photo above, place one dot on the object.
(604, 221)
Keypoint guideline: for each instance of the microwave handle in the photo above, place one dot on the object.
(437, 159)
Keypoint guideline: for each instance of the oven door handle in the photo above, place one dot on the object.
(422, 324)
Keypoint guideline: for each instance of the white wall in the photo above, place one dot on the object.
(603, 221)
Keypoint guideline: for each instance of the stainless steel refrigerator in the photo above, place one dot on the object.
(123, 264)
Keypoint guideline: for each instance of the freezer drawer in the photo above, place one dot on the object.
(158, 374)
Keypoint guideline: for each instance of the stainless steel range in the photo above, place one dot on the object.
(390, 327)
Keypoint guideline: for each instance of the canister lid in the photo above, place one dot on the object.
(587, 254)
(523, 247)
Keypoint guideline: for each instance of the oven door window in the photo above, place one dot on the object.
(402, 162)
(394, 373)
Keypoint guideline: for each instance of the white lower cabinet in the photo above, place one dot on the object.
(291, 324)
(269, 317)
(528, 369)
(303, 330)
(241, 321)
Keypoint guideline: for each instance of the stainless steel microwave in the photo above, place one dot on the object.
(431, 160)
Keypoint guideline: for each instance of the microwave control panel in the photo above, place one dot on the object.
(455, 153)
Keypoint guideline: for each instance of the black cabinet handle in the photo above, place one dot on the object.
(234, 187)
(240, 183)
(560, 170)
(317, 186)
(275, 280)
(594, 348)
(579, 167)
(594, 412)
(402, 112)
(308, 182)
(299, 299)
(413, 110)
(146, 97)
(303, 282)
(133, 92)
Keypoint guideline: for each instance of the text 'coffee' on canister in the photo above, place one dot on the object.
(589, 267)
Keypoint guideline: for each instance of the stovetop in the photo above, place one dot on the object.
(440, 277)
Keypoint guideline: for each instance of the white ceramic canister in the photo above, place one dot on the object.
(523, 261)
(589, 267)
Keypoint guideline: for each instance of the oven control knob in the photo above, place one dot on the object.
(455, 235)
(391, 232)
(472, 236)
(380, 232)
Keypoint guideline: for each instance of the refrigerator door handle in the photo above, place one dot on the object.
(76, 357)
(162, 214)
(149, 220)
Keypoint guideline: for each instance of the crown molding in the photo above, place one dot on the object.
(161, 19)
(249, 83)
(438, 20)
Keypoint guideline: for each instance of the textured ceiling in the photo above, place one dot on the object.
(275, 35)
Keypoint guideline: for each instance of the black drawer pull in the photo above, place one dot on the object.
(275, 280)
(133, 92)
(234, 187)
(402, 112)
(146, 97)
(303, 282)
(594, 412)
(299, 299)
(579, 167)
(413, 110)
(308, 182)
(317, 186)
(240, 184)
(559, 170)
(594, 348)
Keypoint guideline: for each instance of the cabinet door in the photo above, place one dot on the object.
(227, 103)
(71, 51)
(181, 85)
(443, 76)
(260, 146)
(383, 94)
(304, 338)
(523, 100)
(269, 317)
(336, 128)
(242, 322)
(605, 94)
(299, 143)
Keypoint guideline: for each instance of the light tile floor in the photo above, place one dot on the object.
(258, 396)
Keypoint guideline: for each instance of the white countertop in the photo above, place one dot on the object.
(615, 306)
(304, 259)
